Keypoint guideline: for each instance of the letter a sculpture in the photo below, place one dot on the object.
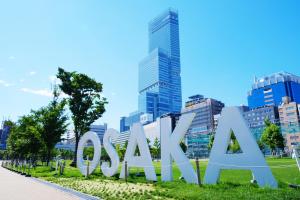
(251, 157)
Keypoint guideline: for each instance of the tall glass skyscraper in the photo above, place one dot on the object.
(159, 73)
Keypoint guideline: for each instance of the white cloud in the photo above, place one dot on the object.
(22, 80)
(32, 73)
(41, 92)
(11, 57)
(54, 80)
(5, 84)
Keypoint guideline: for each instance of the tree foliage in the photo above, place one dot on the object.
(183, 146)
(36, 134)
(271, 136)
(155, 150)
(65, 154)
(121, 150)
(53, 123)
(211, 141)
(84, 100)
(8, 123)
(233, 146)
(25, 141)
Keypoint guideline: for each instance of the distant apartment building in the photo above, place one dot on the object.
(4, 135)
(66, 144)
(269, 90)
(216, 120)
(143, 118)
(123, 126)
(289, 121)
(99, 129)
(256, 119)
(203, 125)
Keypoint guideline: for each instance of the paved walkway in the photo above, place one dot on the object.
(16, 187)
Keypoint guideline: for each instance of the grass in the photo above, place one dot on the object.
(233, 184)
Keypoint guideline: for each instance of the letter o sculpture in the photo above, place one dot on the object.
(93, 137)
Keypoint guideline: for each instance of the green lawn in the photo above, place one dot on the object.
(234, 184)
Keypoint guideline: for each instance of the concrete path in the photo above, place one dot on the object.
(16, 187)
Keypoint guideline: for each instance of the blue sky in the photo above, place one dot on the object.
(224, 44)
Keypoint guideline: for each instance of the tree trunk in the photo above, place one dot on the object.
(74, 163)
(48, 156)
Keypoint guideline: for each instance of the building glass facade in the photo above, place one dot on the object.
(123, 126)
(126, 122)
(99, 129)
(4, 135)
(290, 122)
(269, 90)
(159, 73)
(203, 124)
(256, 119)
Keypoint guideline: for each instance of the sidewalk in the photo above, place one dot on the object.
(16, 187)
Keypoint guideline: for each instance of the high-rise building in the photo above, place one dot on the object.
(269, 90)
(256, 119)
(99, 129)
(290, 122)
(159, 73)
(123, 126)
(4, 134)
(126, 122)
(203, 124)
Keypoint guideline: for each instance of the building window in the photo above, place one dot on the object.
(290, 108)
(290, 114)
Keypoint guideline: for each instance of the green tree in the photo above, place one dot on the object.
(25, 140)
(183, 146)
(84, 100)
(104, 155)
(121, 150)
(271, 136)
(66, 154)
(53, 123)
(211, 141)
(234, 146)
(3, 154)
(88, 151)
(260, 145)
(156, 148)
(8, 123)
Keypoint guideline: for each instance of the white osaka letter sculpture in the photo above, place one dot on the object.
(112, 153)
(138, 139)
(170, 148)
(251, 157)
(93, 137)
